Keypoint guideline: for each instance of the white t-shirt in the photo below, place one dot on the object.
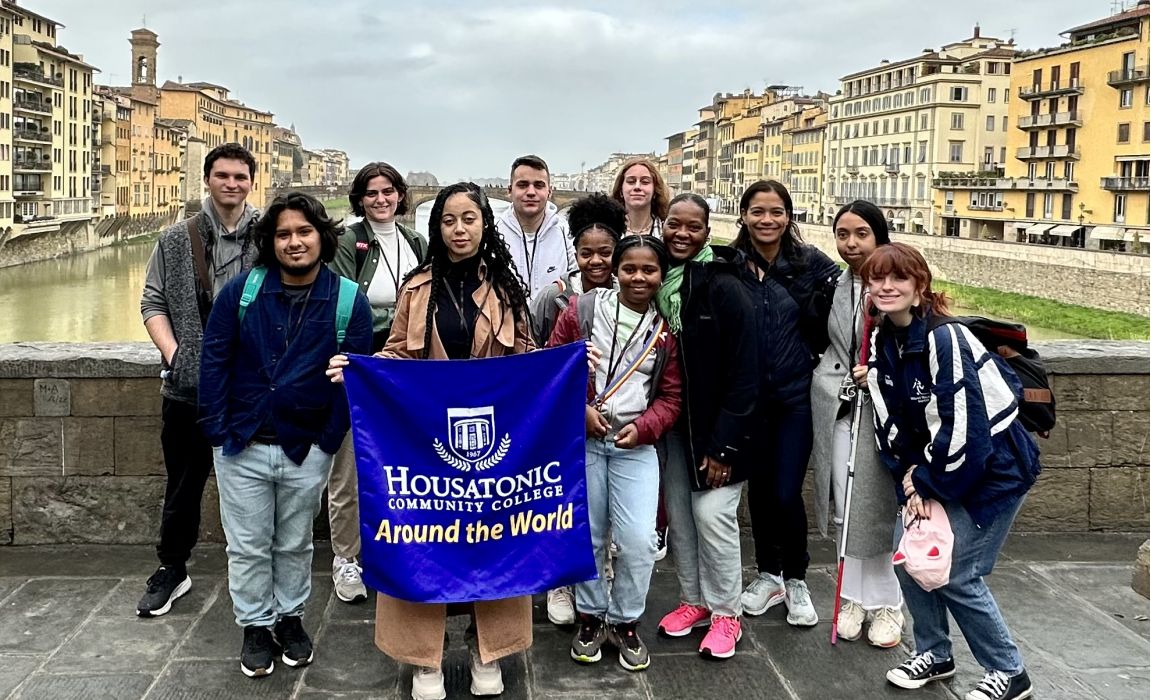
(396, 261)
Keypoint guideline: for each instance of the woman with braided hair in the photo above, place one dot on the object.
(464, 301)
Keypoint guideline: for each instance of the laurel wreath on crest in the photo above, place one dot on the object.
(485, 463)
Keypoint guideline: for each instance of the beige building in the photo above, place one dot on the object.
(803, 161)
(1077, 174)
(316, 168)
(680, 159)
(46, 154)
(894, 127)
(287, 157)
(335, 167)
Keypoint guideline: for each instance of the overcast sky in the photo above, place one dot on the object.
(461, 88)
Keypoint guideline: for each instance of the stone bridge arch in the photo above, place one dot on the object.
(421, 195)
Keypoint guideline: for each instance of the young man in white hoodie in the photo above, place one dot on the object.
(532, 229)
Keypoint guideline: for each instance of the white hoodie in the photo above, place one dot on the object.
(543, 258)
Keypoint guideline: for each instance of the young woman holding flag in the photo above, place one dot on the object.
(633, 399)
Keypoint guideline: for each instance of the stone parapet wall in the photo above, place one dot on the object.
(1098, 279)
(80, 454)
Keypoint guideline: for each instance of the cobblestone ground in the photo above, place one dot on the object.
(68, 630)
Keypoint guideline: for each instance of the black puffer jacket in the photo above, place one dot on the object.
(719, 356)
(792, 303)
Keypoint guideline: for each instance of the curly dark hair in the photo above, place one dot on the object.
(596, 211)
(230, 151)
(501, 269)
(313, 211)
(366, 175)
(791, 243)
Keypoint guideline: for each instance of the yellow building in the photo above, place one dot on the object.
(894, 127)
(46, 122)
(1078, 171)
(739, 143)
(287, 157)
(803, 173)
(702, 160)
(316, 169)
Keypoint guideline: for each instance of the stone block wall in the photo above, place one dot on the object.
(1098, 279)
(80, 454)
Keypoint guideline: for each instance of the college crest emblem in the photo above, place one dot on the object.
(472, 440)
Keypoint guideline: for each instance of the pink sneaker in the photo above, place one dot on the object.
(681, 621)
(719, 643)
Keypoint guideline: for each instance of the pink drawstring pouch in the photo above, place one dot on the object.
(925, 549)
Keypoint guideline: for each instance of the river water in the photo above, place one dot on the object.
(96, 296)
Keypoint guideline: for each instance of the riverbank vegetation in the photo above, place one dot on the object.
(1028, 310)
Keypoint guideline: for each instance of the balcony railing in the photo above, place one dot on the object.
(853, 169)
(1040, 183)
(37, 106)
(1123, 184)
(1036, 121)
(37, 76)
(892, 201)
(32, 135)
(1055, 87)
(38, 165)
(967, 183)
(1127, 76)
(1036, 152)
(891, 167)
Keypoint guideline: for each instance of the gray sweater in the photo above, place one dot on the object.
(170, 288)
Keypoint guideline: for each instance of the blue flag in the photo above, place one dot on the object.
(471, 474)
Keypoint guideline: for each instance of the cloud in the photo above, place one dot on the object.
(461, 88)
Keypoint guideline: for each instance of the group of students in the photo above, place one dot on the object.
(712, 365)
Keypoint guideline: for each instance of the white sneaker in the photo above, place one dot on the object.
(886, 628)
(561, 606)
(764, 592)
(349, 584)
(800, 611)
(851, 619)
(487, 679)
(428, 683)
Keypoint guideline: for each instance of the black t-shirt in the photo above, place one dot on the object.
(456, 310)
(297, 296)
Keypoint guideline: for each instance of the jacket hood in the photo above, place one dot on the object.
(551, 219)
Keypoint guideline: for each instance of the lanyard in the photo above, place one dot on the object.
(613, 383)
(530, 258)
(393, 273)
(612, 363)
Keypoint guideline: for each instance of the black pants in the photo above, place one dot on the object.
(775, 489)
(188, 461)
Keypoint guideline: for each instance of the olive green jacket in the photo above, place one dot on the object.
(345, 265)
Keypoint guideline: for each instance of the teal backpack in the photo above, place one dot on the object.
(344, 302)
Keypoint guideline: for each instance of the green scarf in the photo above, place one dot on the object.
(668, 299)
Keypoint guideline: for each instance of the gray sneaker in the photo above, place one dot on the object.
(589, 639)
(349, 584)
(632, 651)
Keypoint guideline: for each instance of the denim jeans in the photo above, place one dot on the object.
(622, 498)
(966, 595)
(267, 504)
(704, 534)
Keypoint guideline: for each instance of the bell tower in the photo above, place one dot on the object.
(144, 46)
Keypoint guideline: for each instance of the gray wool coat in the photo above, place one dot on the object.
(873, 503)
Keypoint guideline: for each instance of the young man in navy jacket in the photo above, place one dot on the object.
(274, 420)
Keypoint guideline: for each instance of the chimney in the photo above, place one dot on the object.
(976, 34)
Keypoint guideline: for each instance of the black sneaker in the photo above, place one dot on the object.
(660, 543)
(632, 651)
(256, 656)
(997, 685)
(297, 645)
(164, 587)
(589, 639)
(920, 670)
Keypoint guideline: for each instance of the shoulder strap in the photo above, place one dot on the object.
(344, 303)
(198, 261)
(251, 289)
(585, 313)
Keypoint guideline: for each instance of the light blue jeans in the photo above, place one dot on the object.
(703, 529)
(966, 595)
(267, 504)
(622, 499)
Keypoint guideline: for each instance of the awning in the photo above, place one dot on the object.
(1131, 158)
(1038, 229)
(1063, 230)
(797, 212)
(898, 220)
(1129, 235)
(1106, 233)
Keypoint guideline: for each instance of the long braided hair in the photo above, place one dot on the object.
(501, 270)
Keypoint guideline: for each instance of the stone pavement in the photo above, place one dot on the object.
(68, 630)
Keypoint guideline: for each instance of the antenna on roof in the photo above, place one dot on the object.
(144, 20)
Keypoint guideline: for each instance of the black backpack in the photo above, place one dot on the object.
(1007, 343)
